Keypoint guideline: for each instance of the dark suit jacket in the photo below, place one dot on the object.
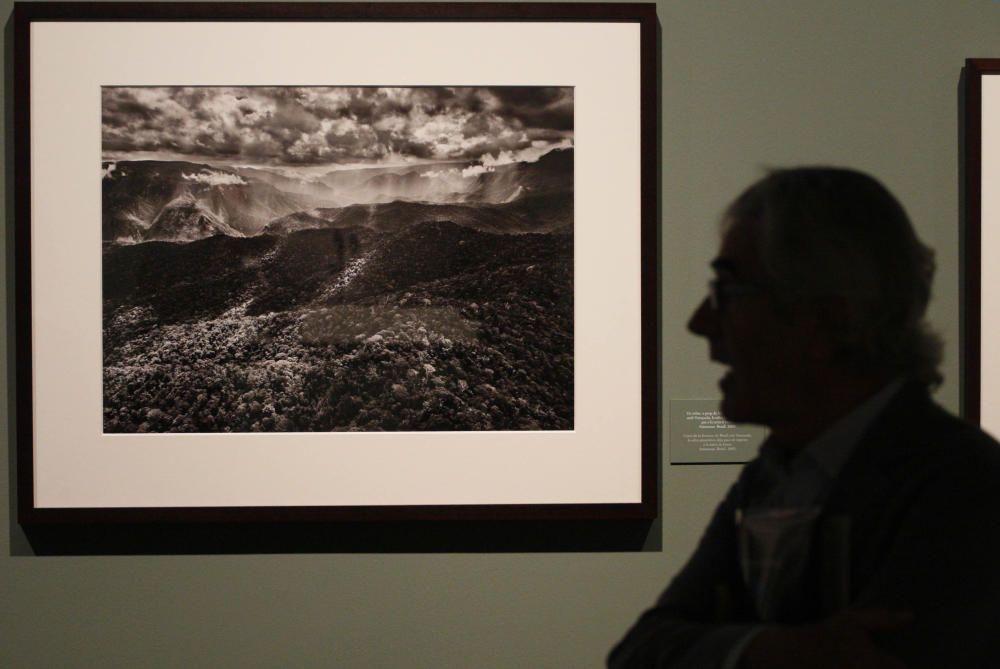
(922, 495)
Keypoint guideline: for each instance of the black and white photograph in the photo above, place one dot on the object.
(313, 259)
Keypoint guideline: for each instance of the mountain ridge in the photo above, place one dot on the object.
(184, 201)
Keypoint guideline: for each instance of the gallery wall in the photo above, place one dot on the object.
(746, 85)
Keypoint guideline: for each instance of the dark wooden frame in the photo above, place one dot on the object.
(972, 251)
(45, 519)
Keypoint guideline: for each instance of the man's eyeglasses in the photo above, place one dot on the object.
(722, 292)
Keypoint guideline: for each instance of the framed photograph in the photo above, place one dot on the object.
(981, 252)
(336, 262)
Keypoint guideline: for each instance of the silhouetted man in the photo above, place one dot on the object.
(866, 533)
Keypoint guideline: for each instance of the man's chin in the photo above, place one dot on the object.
(741, 413)
(737, 405)
(729, 414)
(733, 410)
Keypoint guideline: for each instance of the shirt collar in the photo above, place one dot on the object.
(831, 449)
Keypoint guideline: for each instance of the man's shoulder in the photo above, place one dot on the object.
(928, 430)
(918, 444)
(913, 442)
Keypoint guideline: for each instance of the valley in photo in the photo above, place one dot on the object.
(337, 259)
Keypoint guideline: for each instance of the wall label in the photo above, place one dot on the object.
(699, 434)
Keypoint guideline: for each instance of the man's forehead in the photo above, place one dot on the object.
(738, 251)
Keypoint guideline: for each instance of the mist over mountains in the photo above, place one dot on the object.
(180, 201)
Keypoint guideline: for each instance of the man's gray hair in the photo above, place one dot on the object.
(830, 232)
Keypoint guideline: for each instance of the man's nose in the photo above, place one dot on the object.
(702, 321)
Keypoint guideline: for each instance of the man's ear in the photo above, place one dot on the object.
(826, 317)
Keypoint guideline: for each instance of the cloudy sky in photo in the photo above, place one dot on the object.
(327, 126)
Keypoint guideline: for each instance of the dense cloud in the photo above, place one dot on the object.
(323, 125)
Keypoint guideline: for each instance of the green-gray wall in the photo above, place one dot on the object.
(746, 84)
